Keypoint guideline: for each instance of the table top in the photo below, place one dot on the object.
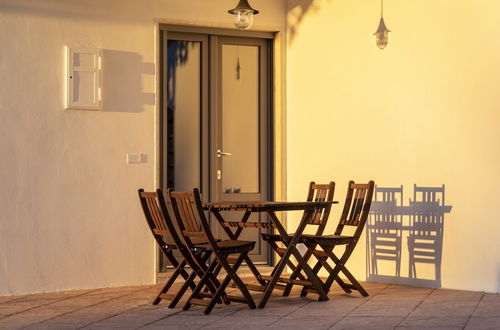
(262, 206)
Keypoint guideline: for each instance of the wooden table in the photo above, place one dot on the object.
(248, 207)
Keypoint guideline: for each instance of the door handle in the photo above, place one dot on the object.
(220, 153)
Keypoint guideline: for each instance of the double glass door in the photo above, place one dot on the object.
(216, 120)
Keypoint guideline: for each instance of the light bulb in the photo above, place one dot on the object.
(243, 15)
(243, 19)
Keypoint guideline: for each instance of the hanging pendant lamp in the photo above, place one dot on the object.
(243, 15)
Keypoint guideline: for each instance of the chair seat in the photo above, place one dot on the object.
(199, 241)
(232, 246)
(271, 237)
(277, 237)
(328, 239)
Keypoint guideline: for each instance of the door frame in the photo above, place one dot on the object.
(271, 91)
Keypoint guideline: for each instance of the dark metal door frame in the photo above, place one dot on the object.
(208, 38)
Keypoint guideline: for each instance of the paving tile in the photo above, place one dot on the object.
(397, 307)
(134, 319)
(489, 306)
(448, 308)
(8, 298)
(483, 323)
(24, 319)
(297, 323)
(454, 295)
(434, 321)
(430, 328)
(249, 322)
(185, 321)
(362, 322)
(339, 305)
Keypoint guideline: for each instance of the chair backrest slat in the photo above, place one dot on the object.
(320, 193)
(357, 206)
(155, 217)
(156, 214)
(184, 211)
(187, 209)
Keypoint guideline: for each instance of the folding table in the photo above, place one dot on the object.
(270, 208)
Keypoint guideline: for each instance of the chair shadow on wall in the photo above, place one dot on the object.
(414, 231)
(122, 77)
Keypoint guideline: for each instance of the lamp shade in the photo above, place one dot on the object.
(243, 15)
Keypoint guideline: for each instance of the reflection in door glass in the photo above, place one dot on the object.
(183, 115)
(240, 118)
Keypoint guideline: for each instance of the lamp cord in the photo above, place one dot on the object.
(382, 9)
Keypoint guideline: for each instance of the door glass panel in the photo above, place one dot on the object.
(240, 118)
(184, 115)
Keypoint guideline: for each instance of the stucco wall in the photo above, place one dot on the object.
(69, 214)
(423, 111)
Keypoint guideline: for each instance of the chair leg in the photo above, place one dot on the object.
(170, 256)
(296, 273)
(243, 288)
(188, 283)
(203, 281)
(170, 282)
(179, 270)
(184, 287)
(340, 267)
(324, 263)
(219, 291)
(315, 269)
(212, 283)
(231, 275)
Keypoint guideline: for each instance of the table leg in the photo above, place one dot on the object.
(291, 249)
(235, 236)
(274, 280)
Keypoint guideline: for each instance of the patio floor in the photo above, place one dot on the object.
(388, 307)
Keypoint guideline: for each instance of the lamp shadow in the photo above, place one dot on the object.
(122, 74)
(414, 231)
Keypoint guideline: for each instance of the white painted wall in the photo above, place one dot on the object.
(69, 212)
(423, 111)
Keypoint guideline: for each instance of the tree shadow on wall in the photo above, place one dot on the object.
(297, 10)
(420, 224)
(177, 56)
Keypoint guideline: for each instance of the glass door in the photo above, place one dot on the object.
(240, 137)
(215, 120)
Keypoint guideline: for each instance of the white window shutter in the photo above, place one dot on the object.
(83, 79)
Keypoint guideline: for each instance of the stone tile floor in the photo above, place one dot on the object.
(388, 307)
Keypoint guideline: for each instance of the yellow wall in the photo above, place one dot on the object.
(423, 111)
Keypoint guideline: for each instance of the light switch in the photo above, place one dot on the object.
(137, 158)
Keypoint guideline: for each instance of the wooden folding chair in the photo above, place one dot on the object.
(187, 209)
(194, 253)
(355, 213)
(317, 193)
(159, 223)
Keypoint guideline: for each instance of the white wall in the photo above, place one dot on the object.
(69, 212)
(423, 111)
